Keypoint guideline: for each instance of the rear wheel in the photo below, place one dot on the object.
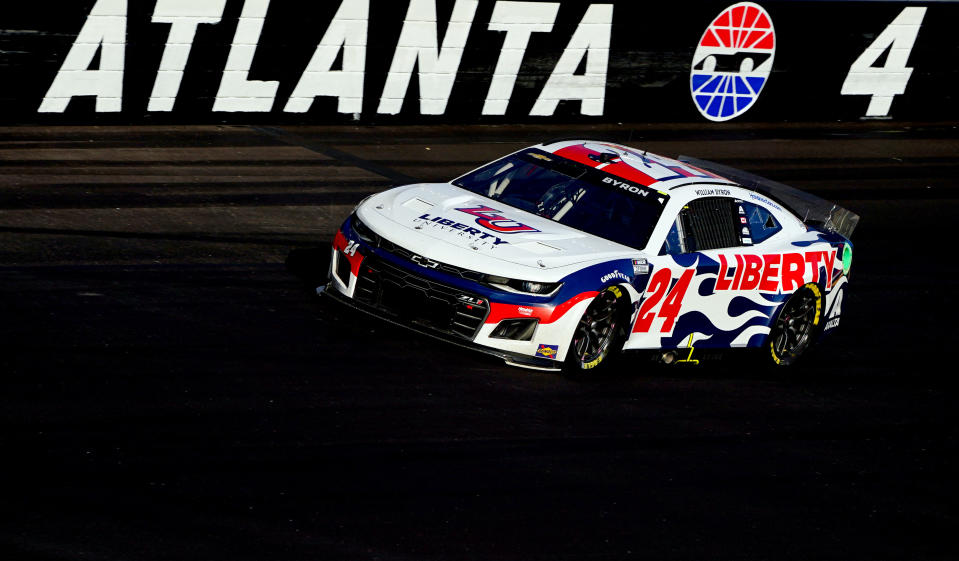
(795, 326)
(599, 333)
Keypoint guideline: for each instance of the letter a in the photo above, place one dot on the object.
(347, 31)
(591, 39)
(105, 30)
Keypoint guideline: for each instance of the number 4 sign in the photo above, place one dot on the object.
(889, 80)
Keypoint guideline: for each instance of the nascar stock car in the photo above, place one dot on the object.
(563, 254)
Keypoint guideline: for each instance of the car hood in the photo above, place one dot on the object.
(455, 226)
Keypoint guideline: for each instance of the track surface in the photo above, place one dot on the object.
(171, 391)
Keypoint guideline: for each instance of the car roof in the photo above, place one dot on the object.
(632, 165)
(663, 174)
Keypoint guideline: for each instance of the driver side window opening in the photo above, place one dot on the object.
(706, 223)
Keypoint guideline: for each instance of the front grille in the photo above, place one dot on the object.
(416, 299)
(406, 254)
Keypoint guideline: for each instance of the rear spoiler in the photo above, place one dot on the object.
(810, 208)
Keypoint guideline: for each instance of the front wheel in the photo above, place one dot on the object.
(599, 333)
(796, 324)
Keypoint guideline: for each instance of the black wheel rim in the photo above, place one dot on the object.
(794, 325)
(595, 329)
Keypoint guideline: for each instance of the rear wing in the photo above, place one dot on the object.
(809, 208)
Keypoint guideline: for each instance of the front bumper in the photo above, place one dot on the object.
(389, 281)
(426, 328)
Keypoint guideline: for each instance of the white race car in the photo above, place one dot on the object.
(562, 254)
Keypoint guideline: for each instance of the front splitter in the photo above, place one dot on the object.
(512, 359)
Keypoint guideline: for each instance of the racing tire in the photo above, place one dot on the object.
(600, 333)
(795, 326)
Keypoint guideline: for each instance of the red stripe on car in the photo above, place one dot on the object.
(546, 314)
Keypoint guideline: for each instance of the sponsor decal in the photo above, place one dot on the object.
(741, 211)
(742, 219)
(524, 311)
(745, 231)
(547, 351)
(764, 200)
(774, 272)
(594, 363)
(640, 266)
(835, 312)
(493, 219)
(747, 241)
(614, 275)
(478, 235)
(733, 61)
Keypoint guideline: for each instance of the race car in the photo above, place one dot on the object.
(563, 254)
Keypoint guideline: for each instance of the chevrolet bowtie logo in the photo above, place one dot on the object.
(424, 262)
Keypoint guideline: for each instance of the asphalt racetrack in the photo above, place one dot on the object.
(171, 391)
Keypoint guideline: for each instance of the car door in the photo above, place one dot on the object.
(703, 289)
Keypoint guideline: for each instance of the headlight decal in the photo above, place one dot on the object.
(545, 314)
(526, 287)
(363, 231)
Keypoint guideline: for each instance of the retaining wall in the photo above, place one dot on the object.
(442, 61)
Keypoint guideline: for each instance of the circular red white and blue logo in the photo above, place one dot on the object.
(732, 61)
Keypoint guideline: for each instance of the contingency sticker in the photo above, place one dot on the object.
(547, 351)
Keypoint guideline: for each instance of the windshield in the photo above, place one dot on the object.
(572, 194)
